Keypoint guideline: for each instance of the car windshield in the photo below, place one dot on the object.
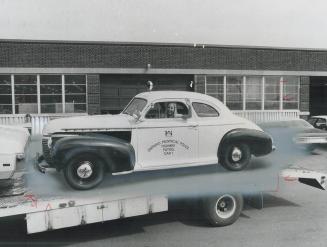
(136, 105)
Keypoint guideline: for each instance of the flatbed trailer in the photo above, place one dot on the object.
(48, 203)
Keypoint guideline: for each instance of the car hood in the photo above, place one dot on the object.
(88, 123)
(13, 139)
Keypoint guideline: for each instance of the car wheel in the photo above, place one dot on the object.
(84, 172)
(223, 210)
(236, 156)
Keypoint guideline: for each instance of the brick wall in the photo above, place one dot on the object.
(109, 55)
(304, 93)
(199, 83)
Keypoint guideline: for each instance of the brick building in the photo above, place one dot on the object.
(46, 78)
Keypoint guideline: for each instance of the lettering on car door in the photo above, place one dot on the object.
(165, 137)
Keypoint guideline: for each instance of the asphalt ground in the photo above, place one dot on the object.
(295, 215)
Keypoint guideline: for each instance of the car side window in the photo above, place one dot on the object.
(320, 121)
(204, 110)
(167, 110)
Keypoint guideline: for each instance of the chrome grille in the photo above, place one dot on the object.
(46, 151)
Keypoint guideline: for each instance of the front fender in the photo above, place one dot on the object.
(117, 154)
(260, 143)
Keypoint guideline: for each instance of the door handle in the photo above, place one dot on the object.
(193, 126)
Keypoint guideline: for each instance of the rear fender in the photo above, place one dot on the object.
(260, 143)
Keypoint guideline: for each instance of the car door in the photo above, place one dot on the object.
(166, 142)
(211, 130)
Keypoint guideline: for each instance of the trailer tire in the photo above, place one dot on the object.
(84, 172)
(224, 209)
(236, 156)
(310, 148)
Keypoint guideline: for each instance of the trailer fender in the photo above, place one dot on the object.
(117, 154)
(260, 143)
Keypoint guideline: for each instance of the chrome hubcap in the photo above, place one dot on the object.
(236, 154)
(225, 206)
(85, 170)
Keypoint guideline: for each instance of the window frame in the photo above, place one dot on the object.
(148, 108)
(10, 94)
(47, 94)
(65, 84)
(135, 98)
(267, 81)
(38, 94)
(208, 104)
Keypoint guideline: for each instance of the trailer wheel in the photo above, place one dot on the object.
(84, 172)
(310, 148)
(236, 156)
(223, 210)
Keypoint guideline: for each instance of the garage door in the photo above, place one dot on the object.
(118, 90)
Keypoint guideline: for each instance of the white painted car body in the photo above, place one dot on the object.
(163, 143)
(13, 141)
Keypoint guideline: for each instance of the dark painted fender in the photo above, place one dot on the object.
(117, 154)
(260, 143)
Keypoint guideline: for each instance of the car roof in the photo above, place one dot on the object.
(320, 116)
(154, 95)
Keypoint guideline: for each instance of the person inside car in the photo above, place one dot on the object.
(171, 110)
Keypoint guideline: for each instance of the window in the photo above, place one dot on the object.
(290, 92)
(312, 121)
(215, 87)
(253, 90)
(75, 93)
(167, 110)
(51, 93)
(234, 97)
(320, 122)
(5, 95)
(29, 97)
(278, 92)
(136, 105)
(272, 92)
(204, 110)
(25, 94)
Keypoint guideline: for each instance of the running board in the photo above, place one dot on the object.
(305, 176)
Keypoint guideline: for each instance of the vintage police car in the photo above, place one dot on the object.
(156, 130)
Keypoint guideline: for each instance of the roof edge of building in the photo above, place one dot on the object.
(121, 43)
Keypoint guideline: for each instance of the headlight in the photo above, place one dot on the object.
(20, 156)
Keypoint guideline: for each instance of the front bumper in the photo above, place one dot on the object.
(41, 165)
